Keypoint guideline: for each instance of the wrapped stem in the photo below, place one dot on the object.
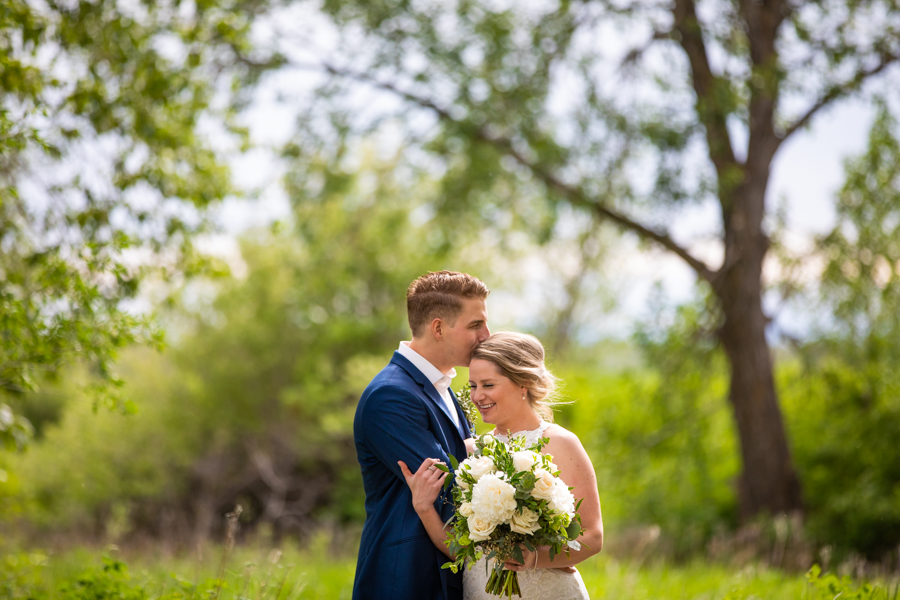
(503, 582)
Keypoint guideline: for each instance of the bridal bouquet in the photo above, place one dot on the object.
(508, 496)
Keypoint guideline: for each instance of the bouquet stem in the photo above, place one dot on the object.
(503, 583)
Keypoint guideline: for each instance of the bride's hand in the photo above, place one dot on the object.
(530, 563)
(425, 484)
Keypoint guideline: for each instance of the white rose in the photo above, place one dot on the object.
(478, 467)
(494, 499)
(543, 487)
(466, 510)
(480, 529)
(487, 439)
(524, 521)
(524, 460)
(561, 500)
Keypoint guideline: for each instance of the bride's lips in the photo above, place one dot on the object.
(486, 406)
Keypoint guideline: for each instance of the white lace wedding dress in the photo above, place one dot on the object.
(540, 584)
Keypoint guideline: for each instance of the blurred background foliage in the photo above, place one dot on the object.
(252, 400)
(252, 403)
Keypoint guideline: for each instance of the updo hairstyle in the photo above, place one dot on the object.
(520, 358)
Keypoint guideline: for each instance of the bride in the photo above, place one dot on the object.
(511, 389)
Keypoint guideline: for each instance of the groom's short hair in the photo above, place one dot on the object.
(439, 295)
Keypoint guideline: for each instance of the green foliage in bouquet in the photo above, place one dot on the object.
(508, 496)
(468, 407)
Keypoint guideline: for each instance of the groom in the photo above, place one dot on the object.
(408, 413)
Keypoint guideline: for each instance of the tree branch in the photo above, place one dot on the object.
(713, 117)
(762, 20)
(837, 91)
(578, 198)
(574, 194)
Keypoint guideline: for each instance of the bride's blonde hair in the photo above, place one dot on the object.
(520, 358)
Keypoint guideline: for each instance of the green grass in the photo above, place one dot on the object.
(320, 572)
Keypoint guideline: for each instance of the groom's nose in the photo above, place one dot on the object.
(485, 333)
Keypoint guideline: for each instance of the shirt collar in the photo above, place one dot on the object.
(440, 380)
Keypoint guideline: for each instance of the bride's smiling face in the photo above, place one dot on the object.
(497, 398)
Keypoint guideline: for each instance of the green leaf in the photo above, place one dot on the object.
(527, 481)
(517, 554)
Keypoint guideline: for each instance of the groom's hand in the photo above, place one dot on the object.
(425, 484)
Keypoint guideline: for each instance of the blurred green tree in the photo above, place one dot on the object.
(514, 101)
(847, 397)
(107, 109)
(254, 401)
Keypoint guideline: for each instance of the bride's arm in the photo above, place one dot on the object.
(425, 485)
(576, 470)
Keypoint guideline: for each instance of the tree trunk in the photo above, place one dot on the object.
(768, 482)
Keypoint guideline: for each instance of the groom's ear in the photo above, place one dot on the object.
(437, 328)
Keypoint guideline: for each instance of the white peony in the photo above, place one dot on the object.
(524, 521)
(480, 529)
(478, 467)
(493, 499)
(561, 500)
(543, 487)
(524, 459)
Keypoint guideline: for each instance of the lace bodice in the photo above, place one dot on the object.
(531, 437)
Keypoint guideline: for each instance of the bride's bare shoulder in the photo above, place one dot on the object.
(559, 436)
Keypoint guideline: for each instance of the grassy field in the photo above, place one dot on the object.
(318, 573)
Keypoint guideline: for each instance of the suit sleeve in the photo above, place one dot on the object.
(396, 427)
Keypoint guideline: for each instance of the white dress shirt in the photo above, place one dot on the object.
(441, 381)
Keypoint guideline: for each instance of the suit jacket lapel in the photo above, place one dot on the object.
(428, 388)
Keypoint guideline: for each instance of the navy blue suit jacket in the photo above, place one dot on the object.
(400, 416)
